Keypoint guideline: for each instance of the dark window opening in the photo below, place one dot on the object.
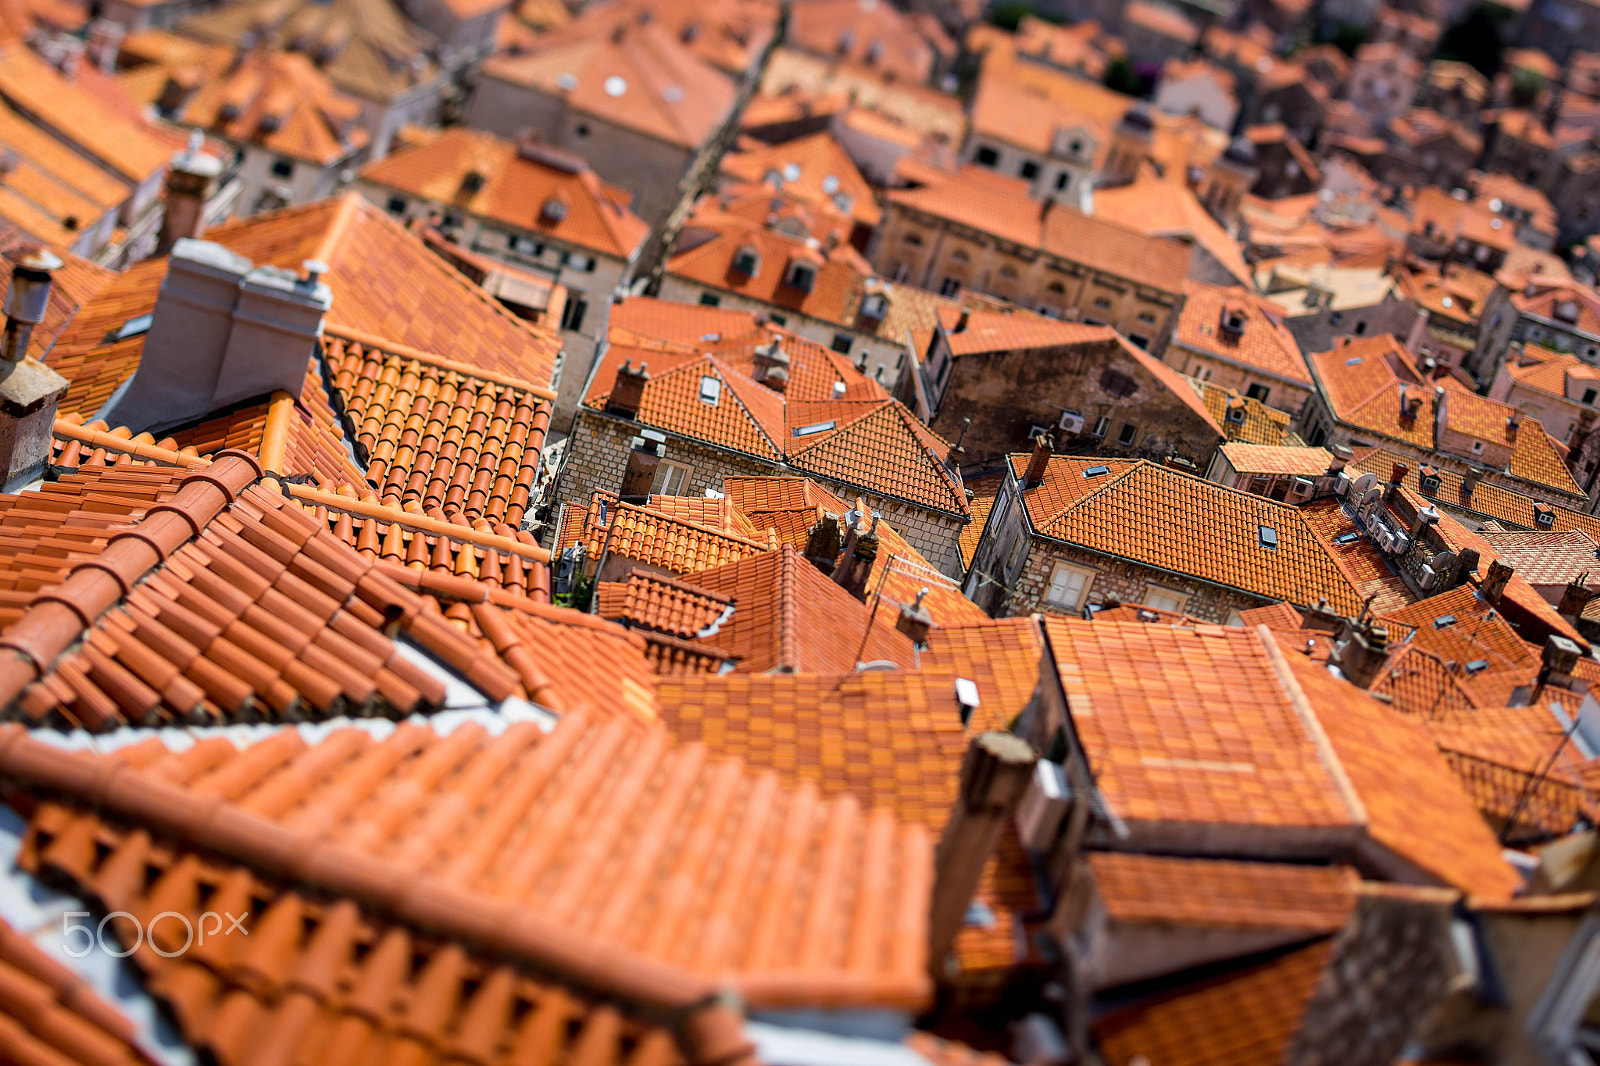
(1129, 431)
(986, 157)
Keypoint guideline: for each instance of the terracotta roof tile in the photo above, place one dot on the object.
(791, 618)
(51, 1016)
(649, 537)
(653, 602)
(815, 159)
(281, 102)
(1249, 458)
(1245, 1018)
(439, 434)
(514, 189)
(1222, 893)
(1166, 519)
(1365, 565)
(451, 839)
(1261, 424)
(1264, 343)
(1547, 558)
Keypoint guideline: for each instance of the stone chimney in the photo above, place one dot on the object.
(824, 544)
(1360, 651)
(1576, 597)
(191, 180)
(961, 322)
(914, 620)
(105, 41)
(1342, 454)
(628, 390)
(221, 333)
(1466, 565)
(26, 300)
(29, 390)
(1513, 423)
(772, 365)
(1425, 518)
(1493, 586)
(1469, 482)
(643, 459)
(1043, 448)
(1559, 658)
(860, 551)
(995, 775)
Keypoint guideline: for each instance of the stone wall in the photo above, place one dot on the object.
(1127, 580)
(1007, 393)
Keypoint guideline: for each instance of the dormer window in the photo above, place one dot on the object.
(1429, 481)
(802, 276)
(1233, 322)
(875, 305)
(1543, 517)
(747, 261)
(1567, 310)
(710, 390)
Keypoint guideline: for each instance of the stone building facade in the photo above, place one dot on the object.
(1128, 582)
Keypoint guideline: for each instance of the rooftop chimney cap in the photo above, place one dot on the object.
(28, 295)
(314, 269)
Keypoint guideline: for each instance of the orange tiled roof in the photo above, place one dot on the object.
(111, 135)
(440, 433)
(666, 91)
(650, 537)
(1277, 459)
(1295, 749)
(1245, 1018)
(1544, 296)
(514, 188)
(52, 1016)
(367, 47)
(791, 618)
(460, 835)
(1262, 424)
(1166, 207)
(1553, 558)
(1363, 378)
(1162, 518)
(1264, 345)
(662, 604)
(995, 206)
(892, 739)
(815, 169)
(1364, 563)
(1213, 892)
(869, 33)
(283, 103)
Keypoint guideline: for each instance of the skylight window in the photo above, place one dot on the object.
(1477, 666)
(1444, 621)
(1347, 538)
(814, 428)
(1354, 360)
(710, 390)
(1096, 471)
(135, 326)
(1268, 537)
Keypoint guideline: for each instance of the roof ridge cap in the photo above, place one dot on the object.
(662, 516)
(1326, 753)
(788, 647)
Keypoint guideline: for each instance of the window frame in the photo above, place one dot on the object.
(660, 485)
(1180, 599)
(1127, 435)
(1088, 574)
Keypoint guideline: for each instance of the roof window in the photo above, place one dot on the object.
(1477, 666)
(135, 326)
(814, 428)
(1354, 360)
(1348, 538)
(1096, 471)
(710, 390)
(1444, 621)
(1268, 537)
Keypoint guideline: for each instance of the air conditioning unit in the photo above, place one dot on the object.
(1341, 484)
(1302, 486)
(1430, 577)
(1401, 543)
(1071, 421)
(1040, 813)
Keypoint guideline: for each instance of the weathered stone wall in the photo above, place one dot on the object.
(1129, 581)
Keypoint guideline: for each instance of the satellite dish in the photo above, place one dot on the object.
(1364, 482)
(1443, 561)
(1371, 496)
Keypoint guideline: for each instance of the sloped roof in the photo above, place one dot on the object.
(366, 47)
(1277, 459)
(1262, 425)
(1553, 558)
(1222, 893)
(1248, 1017)
(1166, 519)
(1264, 343)
(1166, 207)
(648, 536)
(791, 618)
(514, 188)
(282, 102)
(639, 76)
(661, 604)
(1001, 208)
(1289, 747)
(806, 165)
(869, 33)
(51, 1016)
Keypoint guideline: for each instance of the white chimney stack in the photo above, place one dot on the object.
(222, 332)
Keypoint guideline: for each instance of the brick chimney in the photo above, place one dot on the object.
(824, 544)
(221, 333)
(1469, 482)
(190, 182)
(628, 390)
(1397, 474)
(1576, 597)
(644, 457)
(29, 390)
(995, 775)
(1493, 585)
(1038, 462)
